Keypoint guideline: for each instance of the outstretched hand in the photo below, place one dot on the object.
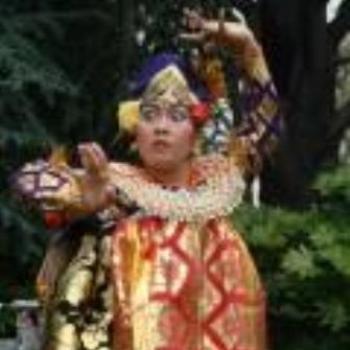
(96, 189)
(93, 160)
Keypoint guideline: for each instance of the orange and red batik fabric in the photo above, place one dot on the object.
(182, 286)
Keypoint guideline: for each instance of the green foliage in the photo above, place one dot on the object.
(304, 257)
(22, 63)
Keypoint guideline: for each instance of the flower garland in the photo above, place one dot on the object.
(218, 196)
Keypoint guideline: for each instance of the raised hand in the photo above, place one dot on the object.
(236, 35)
(201, 28)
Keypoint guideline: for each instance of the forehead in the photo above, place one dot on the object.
(168, 97)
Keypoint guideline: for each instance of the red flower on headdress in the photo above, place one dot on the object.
(200, 112)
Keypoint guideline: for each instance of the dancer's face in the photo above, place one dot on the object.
(165, 134)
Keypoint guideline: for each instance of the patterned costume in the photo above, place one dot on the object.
(162, 269)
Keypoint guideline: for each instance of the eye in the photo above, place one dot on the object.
(179, 114)
(149, 113)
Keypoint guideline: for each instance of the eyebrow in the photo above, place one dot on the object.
(155, 104)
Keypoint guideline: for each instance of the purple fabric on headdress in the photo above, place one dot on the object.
(161, 61)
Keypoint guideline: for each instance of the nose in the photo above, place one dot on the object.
(162, 124)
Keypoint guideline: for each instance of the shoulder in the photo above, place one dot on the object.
(212, 166)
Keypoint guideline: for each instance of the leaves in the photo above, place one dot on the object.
(21, 64)
(334, 315)
(301, 262)
(304, 257)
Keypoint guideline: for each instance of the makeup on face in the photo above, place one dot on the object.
(151, 112)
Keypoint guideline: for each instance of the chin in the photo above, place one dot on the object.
(161, 164)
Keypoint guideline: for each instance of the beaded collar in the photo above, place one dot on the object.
(218, 189)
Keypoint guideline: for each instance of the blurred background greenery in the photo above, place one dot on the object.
(65, 65)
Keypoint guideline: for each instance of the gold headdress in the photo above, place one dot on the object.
(166, 73)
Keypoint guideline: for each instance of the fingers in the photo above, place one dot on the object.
(202, 29)
(193, 20)
(93, 159)
(99, 154)
(220, 30)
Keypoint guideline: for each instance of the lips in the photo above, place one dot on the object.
(161, 144)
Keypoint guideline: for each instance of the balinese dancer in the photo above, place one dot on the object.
(156, 262)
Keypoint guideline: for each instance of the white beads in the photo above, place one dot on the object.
(217, 197)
